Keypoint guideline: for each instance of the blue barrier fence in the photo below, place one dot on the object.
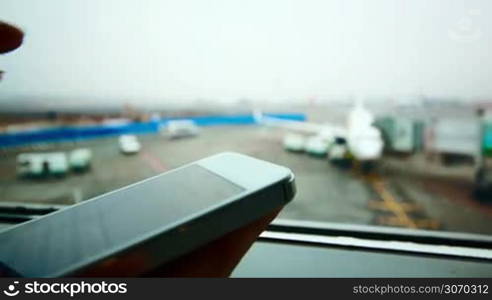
(68, 133)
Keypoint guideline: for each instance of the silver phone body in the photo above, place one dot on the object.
(155, 220)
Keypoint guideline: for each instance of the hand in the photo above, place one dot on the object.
(216, 259)
(219, 258)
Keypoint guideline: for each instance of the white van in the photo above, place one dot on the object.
(294, 142)
(57, 163)
(41, 164)
(80, 159)
(29, 164)
(129, 144)
(317, 146)
(181, 128)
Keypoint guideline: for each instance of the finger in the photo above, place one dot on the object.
(10, 37)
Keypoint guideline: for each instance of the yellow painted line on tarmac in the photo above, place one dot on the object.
(408, 207)
(391, 203)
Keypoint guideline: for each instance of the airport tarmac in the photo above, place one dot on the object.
(325, 193)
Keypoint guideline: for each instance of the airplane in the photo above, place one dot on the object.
(359, 136)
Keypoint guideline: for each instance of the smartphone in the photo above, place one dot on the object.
(155, 220)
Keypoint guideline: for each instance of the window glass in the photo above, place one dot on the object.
(381, 108)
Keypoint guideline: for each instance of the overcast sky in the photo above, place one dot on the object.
(128, 50)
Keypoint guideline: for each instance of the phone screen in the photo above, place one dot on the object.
(51, 244)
